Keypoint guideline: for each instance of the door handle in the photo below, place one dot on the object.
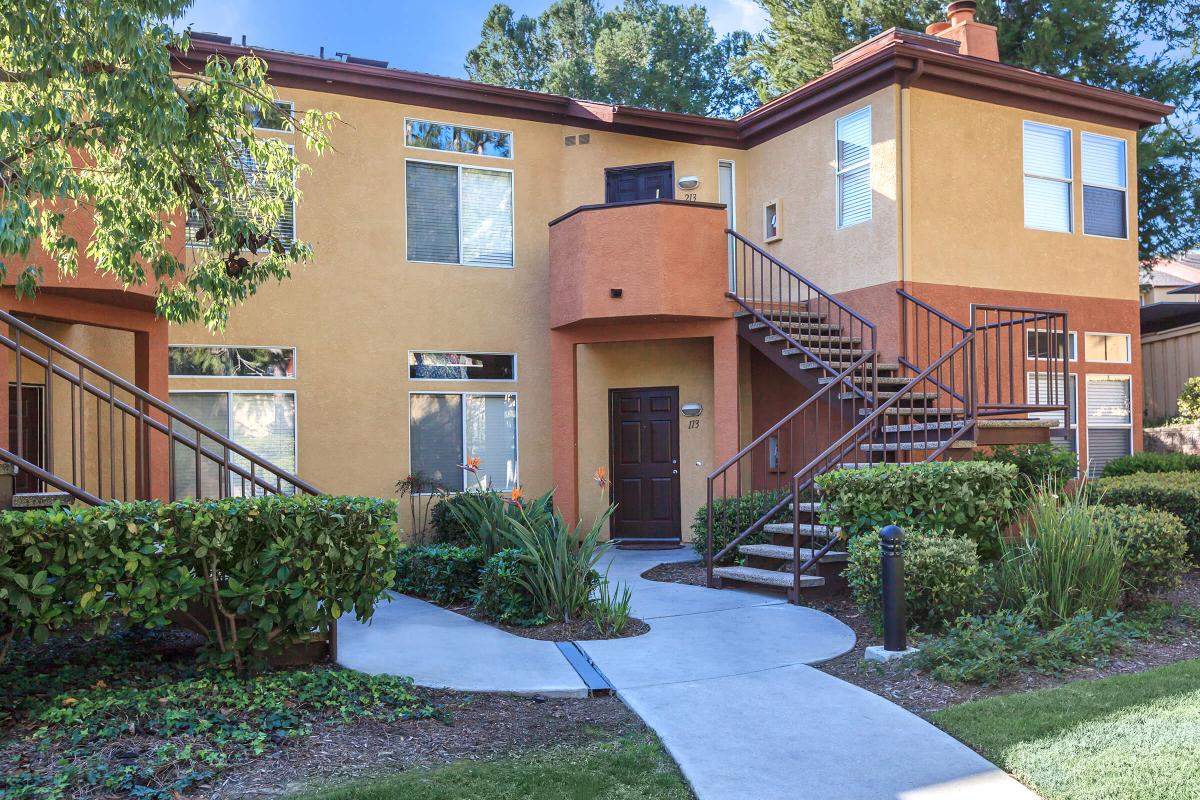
(674, 472)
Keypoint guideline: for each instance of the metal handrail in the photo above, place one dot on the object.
(142, 399)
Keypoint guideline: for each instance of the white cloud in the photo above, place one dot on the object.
(735, 15)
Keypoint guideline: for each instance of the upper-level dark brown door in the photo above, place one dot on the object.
(644, 182)
(645, 463)
(31, 447)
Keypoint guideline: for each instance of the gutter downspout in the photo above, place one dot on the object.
(904, 165)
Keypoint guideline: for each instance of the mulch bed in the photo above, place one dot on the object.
(481, 726)
(577, 630)
(921, 694)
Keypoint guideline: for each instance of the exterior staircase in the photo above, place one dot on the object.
(861, 412)
(102, 438)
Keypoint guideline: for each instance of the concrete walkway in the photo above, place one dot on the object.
(723, 677)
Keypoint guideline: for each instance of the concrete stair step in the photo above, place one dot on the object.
(944, 425)
(815, 531)
(839, 364)
(850, 341)
(888, 380)
(885, 396)
(848, 354)
(27, 500)
(909, 411)
(784, 553)
(800, 328)
(811, 508)
(784, 316)
(767, 577)
(895, 447)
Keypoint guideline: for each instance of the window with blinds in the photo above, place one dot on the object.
(285, 227)
(854, 168)
(262, 422)
(1048, 176)
(1109, 420)
(445, 430)
(1043, 388)
(1104, 184)
(459, 215)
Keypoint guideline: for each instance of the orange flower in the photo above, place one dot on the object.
(517, 494)
(472, 464)
(601, 477)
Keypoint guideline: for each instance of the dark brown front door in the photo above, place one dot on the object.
(31, 433)
(645, 182)
(645, 463)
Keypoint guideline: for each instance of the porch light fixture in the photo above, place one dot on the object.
(691, 409)
(689, 182)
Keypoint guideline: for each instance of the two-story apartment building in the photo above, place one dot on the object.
(547, 284)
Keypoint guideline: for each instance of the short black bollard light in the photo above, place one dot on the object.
(891, 568)
(895, 617)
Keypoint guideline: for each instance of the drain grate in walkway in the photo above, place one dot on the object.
(593, 678)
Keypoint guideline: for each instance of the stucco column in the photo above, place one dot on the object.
(725, 393)
(150, 375)
(564, 411)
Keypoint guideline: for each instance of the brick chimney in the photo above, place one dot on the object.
(975, 38)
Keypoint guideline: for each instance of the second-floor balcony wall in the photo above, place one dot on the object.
(639, 261)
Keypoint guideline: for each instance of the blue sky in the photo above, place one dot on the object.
(410, 34)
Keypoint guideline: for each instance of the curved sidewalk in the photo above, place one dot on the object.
(723, 677)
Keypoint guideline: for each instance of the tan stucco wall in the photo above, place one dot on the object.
(967, 205)
(686, 363)
(799, 170)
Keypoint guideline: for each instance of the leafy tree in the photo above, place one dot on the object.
(105, 148)
(646, 53)
(1146, 47)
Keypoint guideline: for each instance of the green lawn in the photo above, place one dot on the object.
(631, 768)
(1129, 737)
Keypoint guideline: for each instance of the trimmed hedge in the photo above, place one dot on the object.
(974, 499)
(1038, 464)
(1176, 492)
(446, 527)
(1151, 462)
(443, 573)
(942, 577)
(255, 575)
(733, 515)
(501, 595)
(1156, 548)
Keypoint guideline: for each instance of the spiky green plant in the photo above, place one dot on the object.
(611, 607)
(1065, 561)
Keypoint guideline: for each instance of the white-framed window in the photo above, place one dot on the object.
(441, 365)
(263, 422)
(285, 228)
(447, 429)
(458, 214)
(772, 230)
(230, 361)
(277, 119)
(1041, 344)
(1108, 348)
(1043, 388)
(1048, 177)
(1103, 169)
(854, 168)
(1109, 420)
(444, 136)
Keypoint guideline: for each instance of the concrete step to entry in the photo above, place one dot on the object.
(896, 447)
(766, 577)
(785, 553)
(816, 531)
(27, 500)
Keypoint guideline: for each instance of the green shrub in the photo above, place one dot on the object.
(732, 515)
(974, 499)
(501, 596)
(446, 527)
(611, 607)
(942, 578)
(559, 564)
(1151, 462)
(988, 649)
(1189, 400)
(1038, 464)
(1064, 561)
(444, 573)
(1176, 492)
(255, 575)
(1155, 544)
